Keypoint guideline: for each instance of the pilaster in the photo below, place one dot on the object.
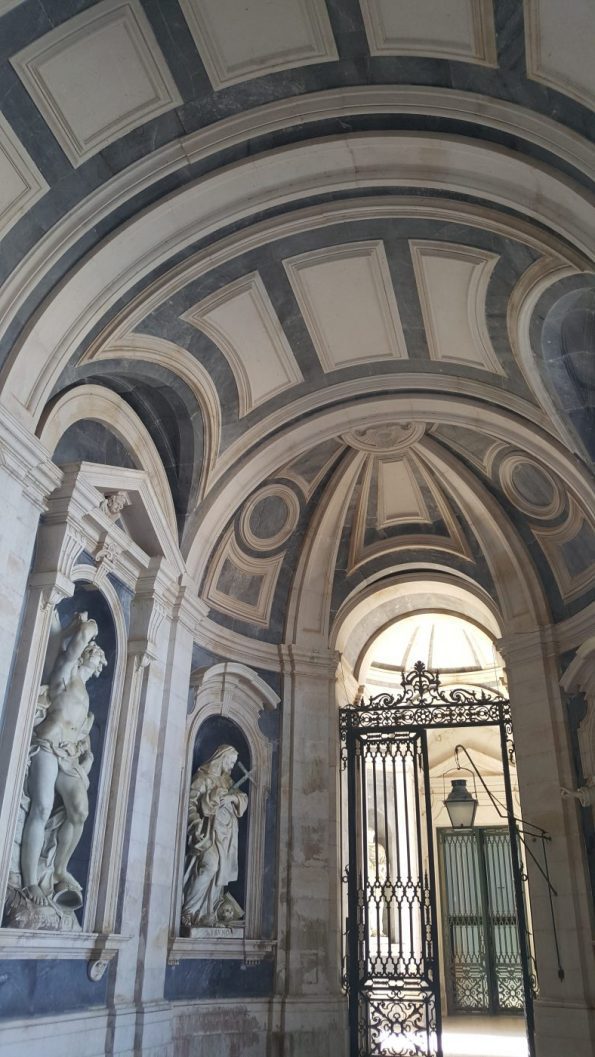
(565, 1007)
(27, 477)
(310, 1008)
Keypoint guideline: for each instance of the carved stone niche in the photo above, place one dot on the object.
(228, 697)
(579, 677)
(82, 548)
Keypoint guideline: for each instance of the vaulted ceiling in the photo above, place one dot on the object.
(324, 268)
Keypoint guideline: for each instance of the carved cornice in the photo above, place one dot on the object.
(309, 663)
(26, 459)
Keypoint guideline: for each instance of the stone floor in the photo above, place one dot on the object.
(484, 1037)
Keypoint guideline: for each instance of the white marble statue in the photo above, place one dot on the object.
(216, 804)
(54, 806)
(585, 794)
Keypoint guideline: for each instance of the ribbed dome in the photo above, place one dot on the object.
(441, 641)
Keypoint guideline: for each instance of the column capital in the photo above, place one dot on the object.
(314, 663)
(529, 645)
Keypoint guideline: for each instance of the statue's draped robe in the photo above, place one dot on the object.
(212, 843)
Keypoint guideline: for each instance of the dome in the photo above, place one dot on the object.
(443, 642)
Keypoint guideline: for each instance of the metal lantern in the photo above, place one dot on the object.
(461, 806)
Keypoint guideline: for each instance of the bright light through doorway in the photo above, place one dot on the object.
(484, 1037)
(466, 1037)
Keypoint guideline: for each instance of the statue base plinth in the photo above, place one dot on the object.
(20, 912)
(215, 932)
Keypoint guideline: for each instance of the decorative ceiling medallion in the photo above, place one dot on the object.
(275, 504)
(530, 487)
(391, 437)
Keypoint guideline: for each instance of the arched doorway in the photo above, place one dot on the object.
(438, 924)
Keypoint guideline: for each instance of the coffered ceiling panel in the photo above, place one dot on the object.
(399, 495)
(241, 320)
(238, 41)
(97, 76)
(459, 29)
(347, 299)
(559, 42)
(21, 183)
(452, 283)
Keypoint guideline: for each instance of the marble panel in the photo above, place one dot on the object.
(452, 283)
(97, 76)
(459, 29)
(242, 322)
(399, 498)
(559, 47)
(347, 299)
(21, 183)
(256, 37)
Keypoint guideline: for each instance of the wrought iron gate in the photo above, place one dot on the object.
(481, 939)
(391, 970)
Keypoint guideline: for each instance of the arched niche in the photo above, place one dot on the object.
(227, 702)
(87, 864)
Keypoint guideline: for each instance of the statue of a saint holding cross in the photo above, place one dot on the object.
(216, 804)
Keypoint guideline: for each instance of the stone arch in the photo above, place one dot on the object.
(101, 404)
(390, 159)
(236, 692)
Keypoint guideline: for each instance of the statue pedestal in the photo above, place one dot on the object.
(20, 912)
(216, 932)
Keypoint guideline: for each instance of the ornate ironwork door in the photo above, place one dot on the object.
(393, 962)
(482, 957)
(392, 951)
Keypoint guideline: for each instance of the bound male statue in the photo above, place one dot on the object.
(55, 801)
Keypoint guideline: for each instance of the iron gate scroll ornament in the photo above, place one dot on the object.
(391, 958)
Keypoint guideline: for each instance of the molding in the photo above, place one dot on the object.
(72, 42)
(471, 107)
(292, 506)
(310, 663)
(574, 630)
(249, 359)
(400, 406)
(309, 485)
(436, 387)
(374, 253)
(453, 543)
(19, 944)
(385, 440)
(384, 517)
(25, 458)
(100, 404)
(250, 22)
(309, 603)
(146, 348)
(225, 642)
(484, 462)
(522, 302)
(506, 475)
(482, 263)
(396, 159)
(537, 57)
(222, 945)
(266, 569)
(571, 585)
(480, 49)
(235, 691)
(16, 166)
